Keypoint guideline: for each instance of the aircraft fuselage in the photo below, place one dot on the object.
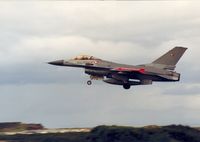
(161, 69)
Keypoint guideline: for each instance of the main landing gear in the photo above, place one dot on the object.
(126, 86)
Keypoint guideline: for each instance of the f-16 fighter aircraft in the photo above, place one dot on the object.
(162, 69)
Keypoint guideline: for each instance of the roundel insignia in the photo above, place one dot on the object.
(95, 62)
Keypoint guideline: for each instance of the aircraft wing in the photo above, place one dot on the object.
(119, 69)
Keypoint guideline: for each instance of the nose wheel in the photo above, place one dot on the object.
(89, 82)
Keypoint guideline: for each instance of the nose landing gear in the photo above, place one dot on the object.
(89, 82)
(92, 77)
(127, 86)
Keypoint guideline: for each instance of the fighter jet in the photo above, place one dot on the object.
(161, 70)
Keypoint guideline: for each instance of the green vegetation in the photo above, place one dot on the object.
(172, 133)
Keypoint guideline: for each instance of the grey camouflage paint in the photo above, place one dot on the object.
(162, 69)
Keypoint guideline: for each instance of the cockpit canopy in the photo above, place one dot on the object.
(84, 57)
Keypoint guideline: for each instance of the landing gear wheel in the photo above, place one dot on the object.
(89, 82)
(127, 86)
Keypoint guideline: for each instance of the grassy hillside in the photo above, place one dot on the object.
(145, 134)
(170, 133)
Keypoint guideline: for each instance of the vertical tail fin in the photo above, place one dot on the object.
(171, 58)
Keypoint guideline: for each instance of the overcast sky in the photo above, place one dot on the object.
(33, 33)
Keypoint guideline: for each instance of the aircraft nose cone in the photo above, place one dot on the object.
(57, 62)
